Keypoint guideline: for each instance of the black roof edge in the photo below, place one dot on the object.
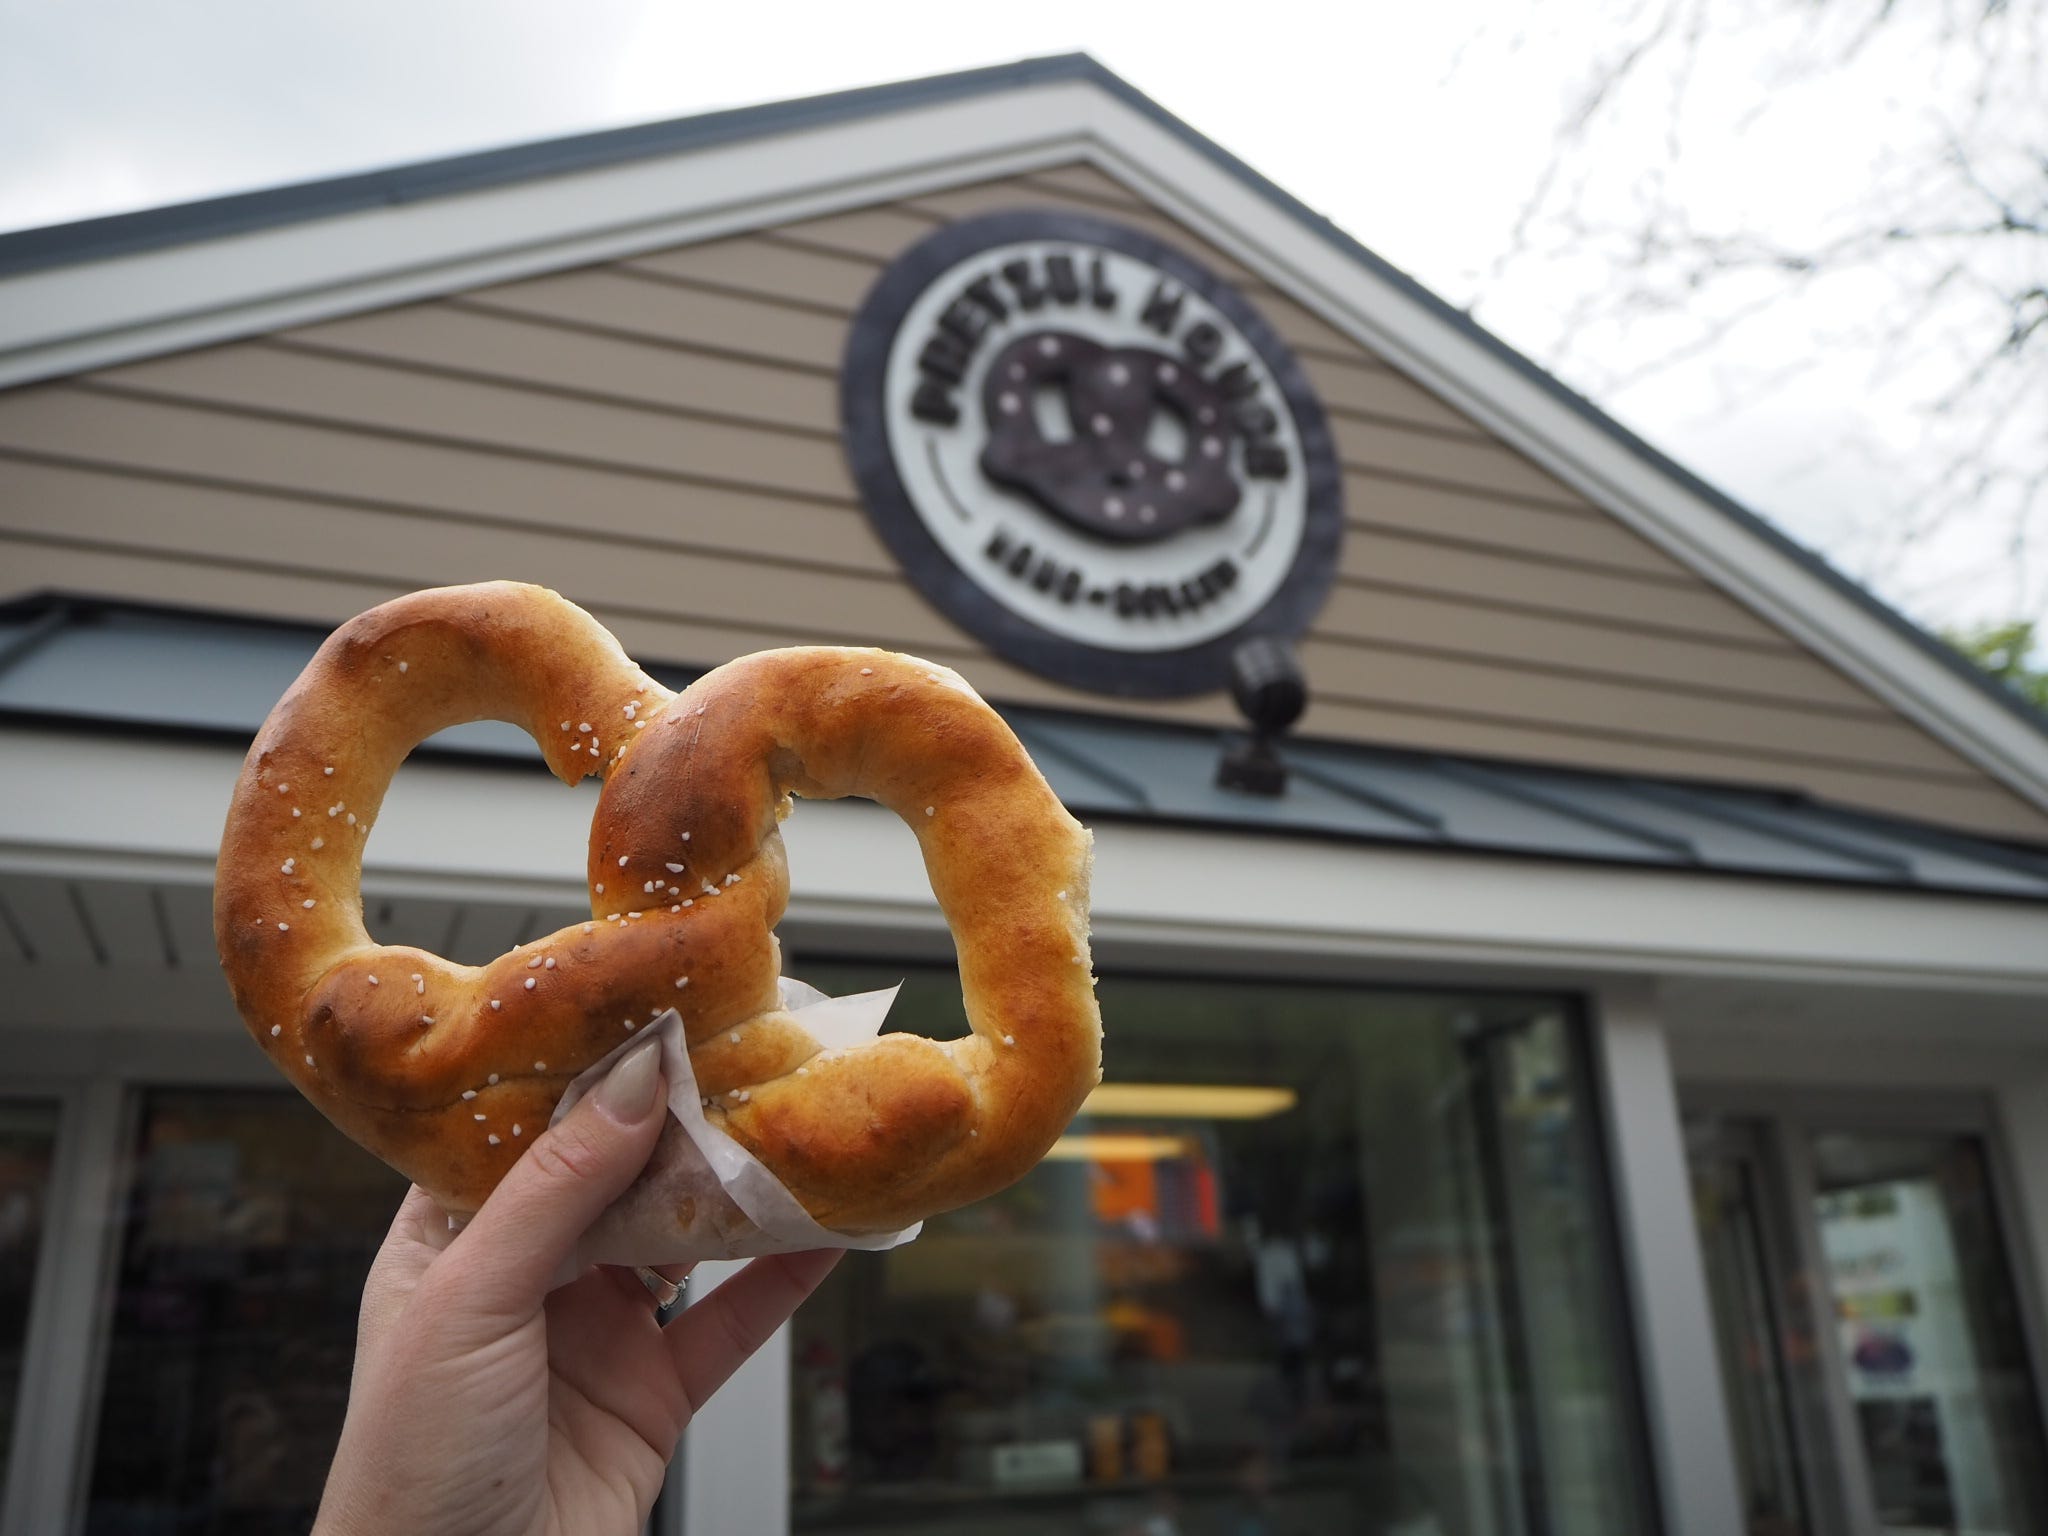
(123, 234)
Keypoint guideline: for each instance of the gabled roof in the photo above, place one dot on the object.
(106, 290)
(97, 665)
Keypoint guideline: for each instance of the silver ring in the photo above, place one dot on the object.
(665, 1291)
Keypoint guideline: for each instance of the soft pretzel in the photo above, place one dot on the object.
(448, 1071)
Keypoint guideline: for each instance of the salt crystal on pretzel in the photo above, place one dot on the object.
(900, 1129)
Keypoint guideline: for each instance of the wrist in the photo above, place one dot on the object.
(340, 1513)
(327, 1523)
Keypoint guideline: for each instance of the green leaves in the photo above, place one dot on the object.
(2007, 652)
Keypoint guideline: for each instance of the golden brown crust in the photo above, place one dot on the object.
(446, 1071)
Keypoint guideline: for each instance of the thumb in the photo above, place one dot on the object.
(506, 1258)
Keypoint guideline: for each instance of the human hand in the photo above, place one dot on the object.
(483, 1402)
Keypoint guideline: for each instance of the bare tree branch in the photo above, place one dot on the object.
(1934, 266)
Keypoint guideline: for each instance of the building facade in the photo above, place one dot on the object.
(1589, 1076)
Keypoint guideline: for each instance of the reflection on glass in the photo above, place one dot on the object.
(1727, 1208)
(28, 1140)
(250, 1225)
(1373, 1297)
(1930, 1333)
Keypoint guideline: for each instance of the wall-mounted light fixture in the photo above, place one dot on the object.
(1267, 682)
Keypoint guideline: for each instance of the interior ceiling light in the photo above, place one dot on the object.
(1189, 1101)
(1117, 1149)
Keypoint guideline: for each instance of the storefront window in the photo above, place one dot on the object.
(28, 1141)
(250, 1225)
(1359, 1282)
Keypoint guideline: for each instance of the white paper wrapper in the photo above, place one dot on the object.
(704, 1196)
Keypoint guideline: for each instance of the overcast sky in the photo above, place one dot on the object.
(1416, 135)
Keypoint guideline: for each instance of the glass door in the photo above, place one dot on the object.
(1934, 1356)
(1763, 1332)
(1871, 1337)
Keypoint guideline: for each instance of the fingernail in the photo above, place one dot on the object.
(627, 1092)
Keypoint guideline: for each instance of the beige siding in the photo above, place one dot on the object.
(657, 437)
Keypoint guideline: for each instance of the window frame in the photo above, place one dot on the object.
(70, 1301)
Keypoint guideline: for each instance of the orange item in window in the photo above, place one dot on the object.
(1106, 1448)
(1119, 1190)
(1151, 1451)
(1158, 1334)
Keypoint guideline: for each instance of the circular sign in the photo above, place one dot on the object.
(1090, 451)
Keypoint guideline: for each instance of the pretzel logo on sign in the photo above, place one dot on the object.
(1090, 451)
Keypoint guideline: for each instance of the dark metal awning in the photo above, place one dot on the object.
(134, 668)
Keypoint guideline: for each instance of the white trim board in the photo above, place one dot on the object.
(154, 807)
(1674, 1328)
(69, 319)
(63, 320)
